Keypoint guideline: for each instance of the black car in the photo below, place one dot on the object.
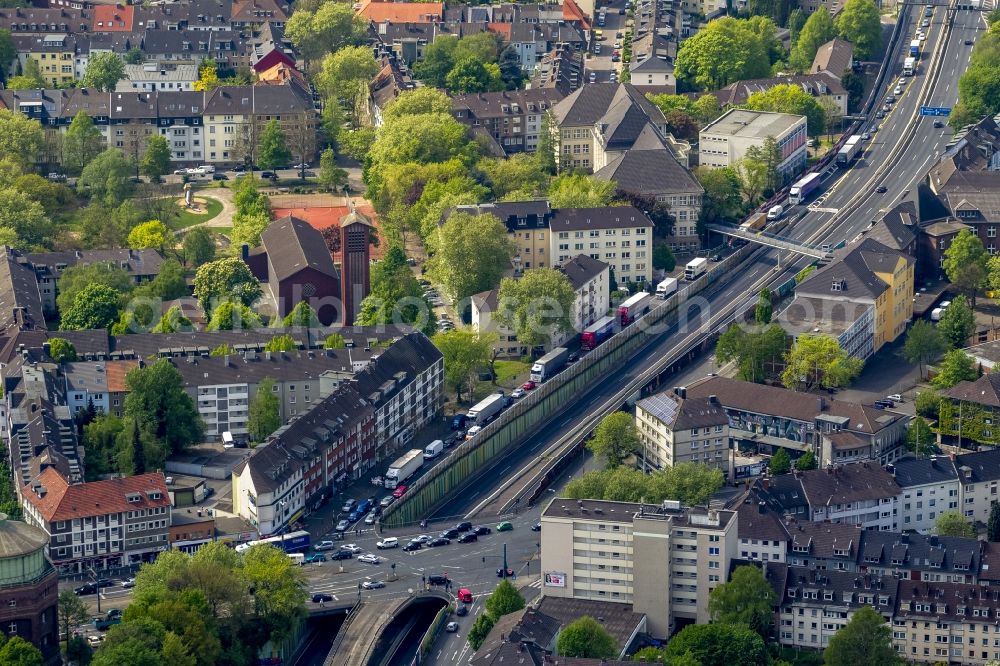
(342, 555)
(462, 610)
(464, 526)
(240, 168)
(449, 534)
(938, 124)
(269, 174)
(86, 588)
(481, 530)
(440, 541)
(413, 545)
(437, 580)
(219, 176)
(318, 597)
(537, 527)
(510, 573)
(468, 537)
(968, 42)
(881, 189)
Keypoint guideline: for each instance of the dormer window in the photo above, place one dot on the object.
(838, 285)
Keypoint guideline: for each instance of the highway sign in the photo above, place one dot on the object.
(935, 111)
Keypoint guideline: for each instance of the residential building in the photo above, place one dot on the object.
(862, 494)
(978, 474)
(141, 265)
(101, 383)
(513, 118)
(377, 11)
(532, 41)
(969, 411)
(53, 53)
(620, 236)
(482, 307)
(821, 85)
(929, 558)
(834, 57)
(190, 531)
(946, 622)
(527, 225)
(30, 588)
(653, 72)
(863, 298)
(100, 524)
(150, 76)
(724, 142)
(560, 69)
(663, 560)
(930, 487)
(674, 430)
(762, 534)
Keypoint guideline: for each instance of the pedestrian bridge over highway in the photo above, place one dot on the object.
(771, 240)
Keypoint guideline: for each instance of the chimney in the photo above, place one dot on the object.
(245, 252)
(765, 483)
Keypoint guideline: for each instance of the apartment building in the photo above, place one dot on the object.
(863, 298)
(950, 623)
(100, 524)
(675, 429)
(724, 142)
(141, 265)
(930, 488)
(100, 383)
(969, 411)
(978, 476)
(234, 117)
(620, 236)
(53, 53)
(513, 118)
(150, 76)
(593, 549)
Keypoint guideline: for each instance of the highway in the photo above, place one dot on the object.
(896, 157)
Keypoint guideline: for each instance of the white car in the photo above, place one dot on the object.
(388, 542)
(898, 91)
(423, 538)
(369, 558)
(372, 584)
(371, 518)
(353, 548)
(128, 582)
(518, 393)
(386, 501)
(325, 545)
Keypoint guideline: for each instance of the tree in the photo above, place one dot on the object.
(21, 139)
(331, 177)
(75, 278)
(302, 315)
(96, 306)
(955, 367)
(719, 645)
(993, 524)
(951, 523)
(866, 639)
(958, 323)
(965, 263)
(753, 177)
(280, 343)
(134, 56)
(545, 151)
(819, 361)
(25, 82)
(663, 258)
(229, 316)
(417, 102)
(919, 437)
(173, 321)
(344, 78)
(330, 28)
(72, 611)
(859, 23)
(817, 30)
(538, 306)
(723, 201)
(106, 178)
(15, 651)
(511, 73)
(104, 71)
(224, 280)
(157, 401)
(198, 247)
(768, 157)
(25, 218)
(762, 312)
(82, 142)
(480, 630)
(724, 51)
(156, 162)
(504, 600)
(615, 438)
(682, 125)
(470, 75)
(208, 76)
(584, 637)
(518, 176)
(168, 284)
(854, 84)
(780, 463)
(152, 235)
(473, 253)
(689, 483)
(263, 417)
(578, 190)
(790, 98)
(62, 350)
(466, 353)
(806, 461)
(274, 150)
(335, 341)
(927, 404)
(747, 599)
(924, 343)
(753, 350)
(438, 61)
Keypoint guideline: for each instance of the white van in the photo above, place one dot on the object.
(775, 212)
(434, 449)
(388, 542)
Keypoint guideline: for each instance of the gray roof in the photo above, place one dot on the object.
(847, 589)
(581, 269)
(413, 353)
(293, 245)
(920, 471)
(493, 104)
(611, 217)
(756, 521)
(853, 272)
(979, 466)
(18, 538)
(920, 552)
(589, 104)
(685, 413)
(138, 263)
(845, 484)
(825, 540)
(279, 366)
(982, 391)
(757, 124)
(20, 300)
(650, 173)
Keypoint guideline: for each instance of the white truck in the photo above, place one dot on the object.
(433, 450)
(485, 410)
(695, 268)
(666, 288)
(404, 467)
(297, 558)
(549, 365)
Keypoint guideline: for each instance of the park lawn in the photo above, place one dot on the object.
(182, 219)
(510, 375)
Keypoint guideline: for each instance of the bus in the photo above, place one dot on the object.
(290, 543)
(598, 332)
(849, 151)
(805, 186)
(915, 48)
(909, 66)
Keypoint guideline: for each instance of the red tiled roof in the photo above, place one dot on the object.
(113, 18)
(503, 29)
(402, 12)
(324, 217)
(572, 12)
(116, 371)
(97, 498)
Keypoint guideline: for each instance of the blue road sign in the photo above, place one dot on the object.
(935, 111)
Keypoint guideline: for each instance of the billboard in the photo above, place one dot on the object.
(555, 579)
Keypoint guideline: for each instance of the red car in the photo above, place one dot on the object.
(529, 385)
(399, 491)
(465, 595)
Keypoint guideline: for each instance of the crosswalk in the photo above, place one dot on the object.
(536, 584)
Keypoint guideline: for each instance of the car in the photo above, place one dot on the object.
(239, 168)
(885, 108)
(895, 397)
(597, 49)
(921, 35)
(301, 165)
(399, 491)
(55, 176)
(436, 579)
(369, 558)
(968, 42)
(348, 506)
(373, 584)
(504, 527)
(422, 538)
(319, 597)
(881, 189)
(928, 12)
(468, 537)
(219, 176)
(529, 385)
(180, 172)
(451, 627)
(412, 546)
(447, 326)
(449, 534)
(878, 405)
(315, 558)
(616, 58)
(573, 357)
(462, 610)
(537, 527)
(902, 82)
(618, 45)
(353, 548)
(938, 124)
(458, 421)
(510, 573)
(353, 517)
(342, 555)
(438, 541)
(386, 501)
(270, 175)
(85, 589)
(592, 77)
(866, 136)
(898, 90)
(463, 526)
(880, 114)
(387, 542)
(95, 640)
(128, 582)
(342, 526)
(481, 530)
(464, 595)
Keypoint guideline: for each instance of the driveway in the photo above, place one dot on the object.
(884, 374)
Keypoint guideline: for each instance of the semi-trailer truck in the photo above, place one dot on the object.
(634, 307)
(695, 268)
(804, 187)
(404, 467)
(549, 365)
(598, 332)
(666, 288)
(915, 48)
(909, 66)
(487, 408)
